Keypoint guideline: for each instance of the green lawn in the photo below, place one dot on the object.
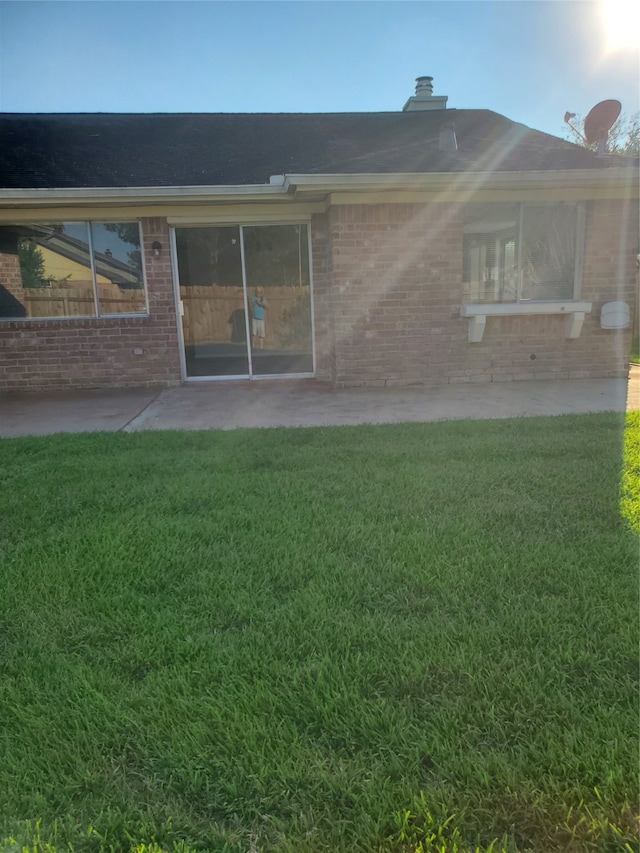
(332, 639)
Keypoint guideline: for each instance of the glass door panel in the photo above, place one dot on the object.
(211, 289)
(276, 260)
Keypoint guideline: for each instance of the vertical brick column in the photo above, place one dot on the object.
(323, 298)
(609, 274)
(162, 305)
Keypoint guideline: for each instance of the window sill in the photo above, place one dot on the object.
(477, 315)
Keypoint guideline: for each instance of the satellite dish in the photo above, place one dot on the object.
(600, 120)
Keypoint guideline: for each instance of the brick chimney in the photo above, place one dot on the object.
(424, 99)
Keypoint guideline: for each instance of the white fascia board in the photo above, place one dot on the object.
(626, 178)
(137, 195)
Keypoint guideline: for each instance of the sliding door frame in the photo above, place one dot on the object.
(179, 310)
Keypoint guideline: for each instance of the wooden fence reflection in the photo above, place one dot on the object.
(212, 314)
(78, 301)
(215, 314)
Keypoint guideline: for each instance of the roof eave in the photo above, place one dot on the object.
(624, 178)
(85, 196)
(285, 187)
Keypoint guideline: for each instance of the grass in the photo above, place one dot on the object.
(396, 638)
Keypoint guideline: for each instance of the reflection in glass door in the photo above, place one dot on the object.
(246, 295)
(276, 259)
(214, 319)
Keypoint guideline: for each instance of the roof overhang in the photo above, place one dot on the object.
(613, 182)
(617, 179)
(88, 196)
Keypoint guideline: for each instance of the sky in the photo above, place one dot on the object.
(530, 60)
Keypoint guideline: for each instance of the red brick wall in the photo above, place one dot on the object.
(397, 292)
(387, 298)
(397, 279)
(535, 347)
(10, 275)
(323, 298)
(58, 354)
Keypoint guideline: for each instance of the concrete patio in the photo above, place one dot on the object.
(229, 405)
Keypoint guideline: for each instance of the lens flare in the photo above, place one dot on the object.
(620, 22)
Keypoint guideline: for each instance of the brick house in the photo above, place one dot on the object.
(431, 245)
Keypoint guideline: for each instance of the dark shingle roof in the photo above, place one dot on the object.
(155, 150)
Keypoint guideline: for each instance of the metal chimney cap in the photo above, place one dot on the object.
(424, 98)
(424, 85)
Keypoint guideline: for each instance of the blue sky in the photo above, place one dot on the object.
(528, 59)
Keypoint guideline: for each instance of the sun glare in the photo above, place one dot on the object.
(620, 20)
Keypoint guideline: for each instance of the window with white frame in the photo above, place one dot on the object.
(521, 252)
(71, 269)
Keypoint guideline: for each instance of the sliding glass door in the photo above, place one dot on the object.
(212, 294)
(276, 260)
(246, 300)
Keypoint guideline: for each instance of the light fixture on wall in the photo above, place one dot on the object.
(157, 247)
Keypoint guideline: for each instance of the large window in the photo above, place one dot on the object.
(71, 269)
(521, 252)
